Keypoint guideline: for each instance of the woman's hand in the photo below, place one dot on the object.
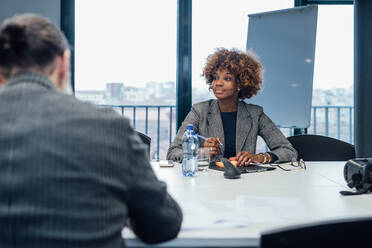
(245, 158)
(213, 144)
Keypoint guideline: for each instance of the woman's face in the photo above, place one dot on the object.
(224, 86)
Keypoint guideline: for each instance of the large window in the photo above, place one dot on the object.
(126, 56)
(334, 72)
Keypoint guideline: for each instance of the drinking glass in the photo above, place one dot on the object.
(203, 158)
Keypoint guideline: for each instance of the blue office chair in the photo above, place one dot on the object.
(321, 148)
(146, 140)
(354, 232)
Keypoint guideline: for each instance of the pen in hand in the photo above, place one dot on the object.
(204, 138)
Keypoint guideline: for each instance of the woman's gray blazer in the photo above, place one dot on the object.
(251, 122)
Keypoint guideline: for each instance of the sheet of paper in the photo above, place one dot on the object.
(245, 209)
(198, 216)
(269, 209)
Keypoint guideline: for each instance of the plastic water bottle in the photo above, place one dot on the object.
(190, 145)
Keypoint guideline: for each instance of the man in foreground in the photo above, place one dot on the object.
(71, 175)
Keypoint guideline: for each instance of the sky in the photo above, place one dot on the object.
(134, 42)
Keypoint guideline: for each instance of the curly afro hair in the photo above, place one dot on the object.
(246, 69)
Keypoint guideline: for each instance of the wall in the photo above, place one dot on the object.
(47, 8)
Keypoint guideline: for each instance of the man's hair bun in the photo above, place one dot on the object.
(13, 42)
(16, 35)
(30, 41)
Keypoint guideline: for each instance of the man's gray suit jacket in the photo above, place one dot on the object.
(251, 122)
(73, 175)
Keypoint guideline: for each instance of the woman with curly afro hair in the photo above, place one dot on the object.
(231, 125)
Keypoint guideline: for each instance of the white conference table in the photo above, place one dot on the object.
(221, 212)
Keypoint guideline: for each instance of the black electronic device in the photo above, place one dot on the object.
(358, 175)
(231, 172)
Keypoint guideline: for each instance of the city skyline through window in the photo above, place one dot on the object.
(125, 54)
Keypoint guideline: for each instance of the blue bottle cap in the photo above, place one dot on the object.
(189, 127)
